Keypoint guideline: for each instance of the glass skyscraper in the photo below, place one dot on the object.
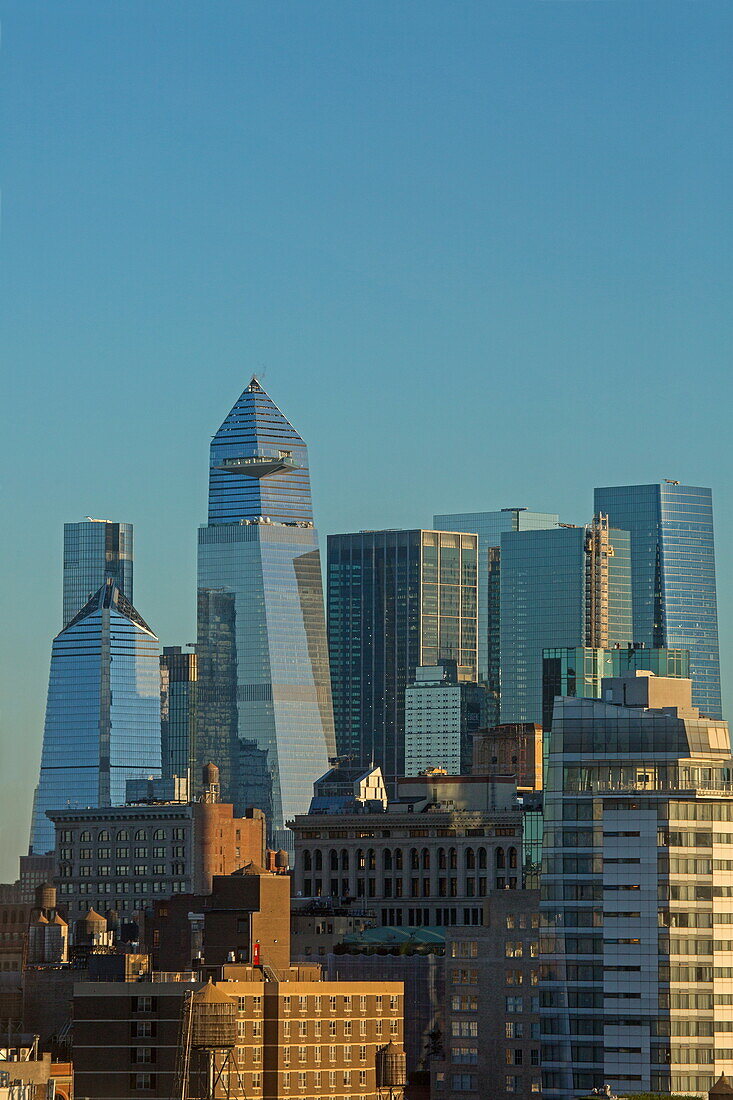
(95, 550)
(178, 688)
(489, 527)
(559, 588)
(261, 593)
(103, 711)
(673, 574)
(396, 600)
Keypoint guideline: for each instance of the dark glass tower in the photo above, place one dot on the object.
(570, 586)
(396, 600)
(95, 550)
(673, 575)
(103, 711)
(178, 688)
(260, 587)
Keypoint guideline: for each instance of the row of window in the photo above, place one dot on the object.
(415, 859)
(66, 836)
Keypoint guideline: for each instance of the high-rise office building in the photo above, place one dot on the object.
(261, 592)
(559, 588)
(103, 711)
(442, 713)
(579, 670)
(489, 526)
(178, 699)
(673, 574)
(95, 550)
(637, 938)
(396, 600)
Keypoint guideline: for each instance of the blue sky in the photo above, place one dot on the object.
(481, 254)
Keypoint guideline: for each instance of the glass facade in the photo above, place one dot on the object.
(178, 691)
(265, 711)
(548, 581)
(673, 574)
(636, 924)
(396, 600)
(489, 526)
(102, 714)
(95, 550)
(577, 672)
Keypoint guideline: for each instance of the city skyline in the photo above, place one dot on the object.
(478, 288)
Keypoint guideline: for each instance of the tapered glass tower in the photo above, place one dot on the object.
(259, 555)
(103, 711)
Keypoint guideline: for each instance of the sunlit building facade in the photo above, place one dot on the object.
(673, 574)
(396, 600)
(103, 711)
(489, 527)
(260, 588)
(95, 550)
(636, 950)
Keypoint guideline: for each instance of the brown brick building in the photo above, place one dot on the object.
(126, 857)
(295, 1038)
(492, 1038)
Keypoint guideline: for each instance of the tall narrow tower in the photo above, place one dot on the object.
(259, 555)
(95, 550)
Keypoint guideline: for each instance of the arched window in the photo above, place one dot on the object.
(159, 834)
(334, 860)
(319, 859)
(426, 859)
(470, 859)
(453, 859)
(482, 862)
(307, 861)
(513, 857)
(103, 835)
(344, 859)
(141, 835)
(387, 859)
(85, 835)
(441, 859)
(414, 859)
(123, 835)
(360, 861)
(372, 860)
(499, 857)
(398, 859)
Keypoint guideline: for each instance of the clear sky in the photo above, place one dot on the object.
(480, 253)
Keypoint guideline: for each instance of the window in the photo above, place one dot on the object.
(513, 949)
(123, 835)
(362, 1053)
(159, 834)
(141, 835)
(513, 1004)
(143, 1081)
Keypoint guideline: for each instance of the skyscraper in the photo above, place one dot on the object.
(95, 550)
(489, 527)
(260, 584)
(103, 711)
(637, 877)
(673, 574)
(178, 688)
(396, 600)
(559, 588)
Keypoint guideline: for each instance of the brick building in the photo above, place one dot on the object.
(492, 1030)
(294, 1038)
(126, 857)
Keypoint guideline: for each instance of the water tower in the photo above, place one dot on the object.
(391, 1072)
(206, 1067)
